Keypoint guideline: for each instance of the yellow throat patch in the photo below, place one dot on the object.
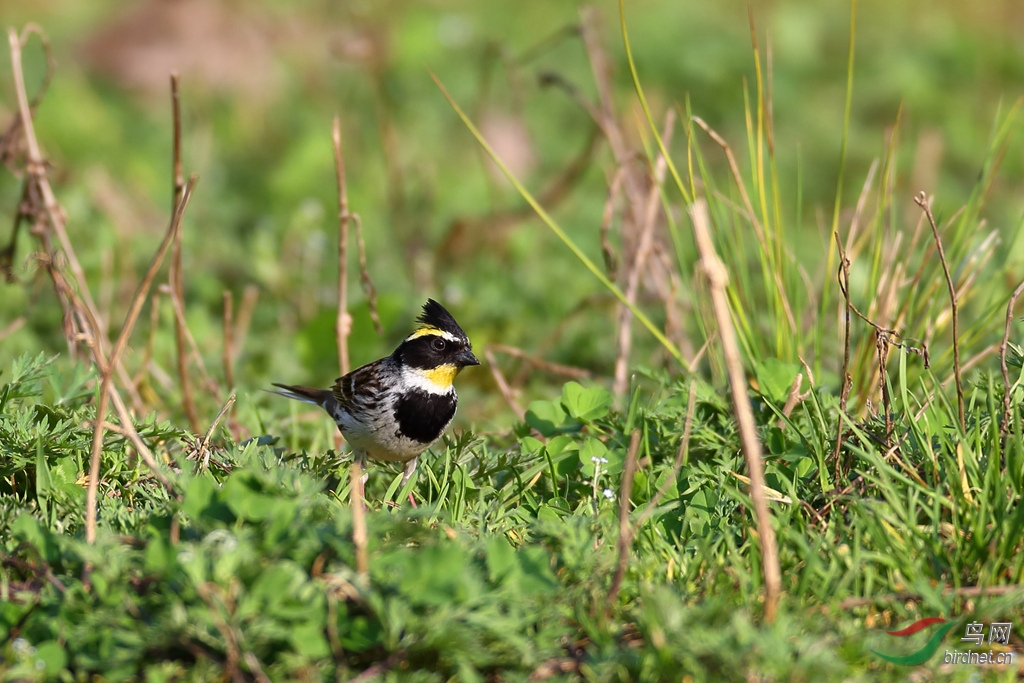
(442, 375)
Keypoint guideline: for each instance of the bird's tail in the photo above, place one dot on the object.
(318, 397)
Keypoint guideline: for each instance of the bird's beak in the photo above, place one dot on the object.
(467, 358)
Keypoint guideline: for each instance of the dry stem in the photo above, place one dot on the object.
(625, 530)
(107, 388)
(79, 306)
(758, 229)
(1002, 357)
(684, 448)
(178, 308)
(611, 265)
(13, 327)
(343, 323)
(922, 200)
(541, 364)
(250, 296)
(84, 315)
(959, 592)
(204, 447)
(364, 276)
(640, 256)
(174, 276)
(227, 356)
(718, 279)
(358, 505)
(503, 386)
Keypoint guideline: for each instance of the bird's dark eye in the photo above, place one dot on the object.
(437, 344)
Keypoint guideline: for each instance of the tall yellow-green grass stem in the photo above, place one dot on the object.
(555, 228)
(687, 197)
(830, 266)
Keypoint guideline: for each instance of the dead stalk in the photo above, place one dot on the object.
(922, 200)
(84, 315)
(541, 364)
(1002, 357)
(973, 362)
(36, 163)
(64, 290)
(343, 323)
(882, 347)
(13, 327)
(611, 265)
(107, 388)
(503, 386)
(204, 447)
(358, 506)
(642, 253)
(959, 592)
(174, 276)
(364, 276)
(178, 177)
(793, 399)
(758, 228)
(250, 296)
(227, 356)
(178, 308)
(858, 211)
(80, 307)
(684, 449)
(147, 352)
(625, 529)
(632, 181)
(718, 279)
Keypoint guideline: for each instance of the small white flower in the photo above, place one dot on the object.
(599, 461)
(21, 646)
(609, 494)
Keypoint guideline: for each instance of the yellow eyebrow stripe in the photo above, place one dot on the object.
(431, 331)
(425, 331)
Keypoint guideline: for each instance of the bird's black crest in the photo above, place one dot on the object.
(435, 315)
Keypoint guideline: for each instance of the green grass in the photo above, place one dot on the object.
(505, 566)
(504, 570)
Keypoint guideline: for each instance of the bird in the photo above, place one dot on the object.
(395, 408)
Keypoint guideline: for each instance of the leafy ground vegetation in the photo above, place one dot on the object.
(594, 513)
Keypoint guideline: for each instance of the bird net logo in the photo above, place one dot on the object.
(976, 635)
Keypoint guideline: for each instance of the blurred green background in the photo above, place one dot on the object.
(262, 80)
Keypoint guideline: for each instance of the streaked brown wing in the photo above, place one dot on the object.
(360, 390)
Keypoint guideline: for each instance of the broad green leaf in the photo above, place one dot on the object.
(52, 656)
(585, 403)
(611, 460)
(562, 443)
(501, 558)
(546, 417)
(775, 377)
(535, 569)
(309, 641)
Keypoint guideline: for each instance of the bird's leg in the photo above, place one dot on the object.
(407, 472)
(360, 461)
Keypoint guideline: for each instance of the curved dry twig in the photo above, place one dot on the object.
(1002, 357)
